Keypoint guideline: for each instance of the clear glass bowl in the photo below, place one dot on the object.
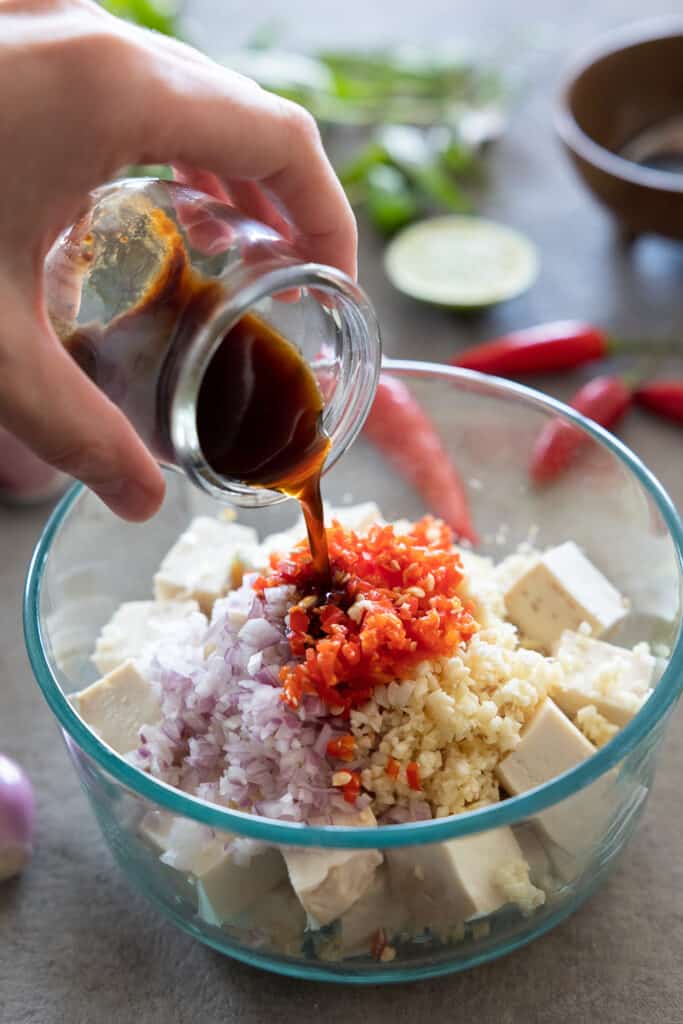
(88, 562)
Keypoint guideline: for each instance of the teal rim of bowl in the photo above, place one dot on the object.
(507, 812)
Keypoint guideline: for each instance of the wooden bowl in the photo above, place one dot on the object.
(630, 84)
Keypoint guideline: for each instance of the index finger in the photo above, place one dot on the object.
(216, 119)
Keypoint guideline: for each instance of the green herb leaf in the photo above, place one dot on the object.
(358, 169)
(147, 171)
(391, 203)
(440, 189)
(160, 15)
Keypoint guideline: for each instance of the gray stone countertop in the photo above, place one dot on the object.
(75, 948)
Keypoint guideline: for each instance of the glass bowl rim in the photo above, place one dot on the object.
(506, 812)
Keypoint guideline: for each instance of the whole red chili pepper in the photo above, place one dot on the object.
(399, 427)
(604, 400)
(664, 397)
(545, 348)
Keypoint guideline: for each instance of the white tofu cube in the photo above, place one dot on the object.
(225, 885)
(206, 561)
(535, 854)
(118, 705)
(282, 919)
(279, 544)
(138, 624)
(615, 680)
(444, 884)
(226, 888)
(549, 746)
(561, 590)
(154, 829)
(377, 910)
(190, 846)
(358, 518)
(328, 882)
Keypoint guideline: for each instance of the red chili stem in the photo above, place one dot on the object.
(663, 397)
(604, 400)
(400, 428)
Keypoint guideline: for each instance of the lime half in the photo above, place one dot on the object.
(461, 262)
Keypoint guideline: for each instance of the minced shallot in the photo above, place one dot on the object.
(226, 734)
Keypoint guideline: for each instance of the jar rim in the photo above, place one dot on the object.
(507, 812)
(267, 280)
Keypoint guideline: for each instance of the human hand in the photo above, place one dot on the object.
(84, 94)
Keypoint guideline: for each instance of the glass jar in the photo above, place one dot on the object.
(145, 287)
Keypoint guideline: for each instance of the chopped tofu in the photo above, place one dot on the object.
(378, 910)
(206, 561)
(329, 881)
(154, 829)
(549, 746)
(118, 705)
(226, 886)
(535, 854)
(355, 517)
(137, 624)
(281, 917)
(561, 590)
(279, 543)
(446, 883)
(514, 881)
(615, 680)
(69, 626)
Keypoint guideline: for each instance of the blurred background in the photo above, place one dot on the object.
(482, 81)
(449, 109)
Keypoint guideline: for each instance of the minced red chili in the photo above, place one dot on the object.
(351, 790)
(378, 943)
(413, 775)
(394, 603)
(343, 747)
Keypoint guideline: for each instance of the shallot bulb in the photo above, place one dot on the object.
(16, 819)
